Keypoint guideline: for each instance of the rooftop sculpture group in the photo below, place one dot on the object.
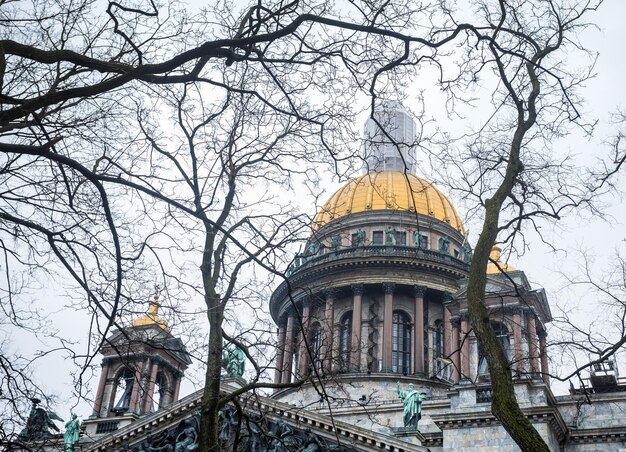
(39, 424)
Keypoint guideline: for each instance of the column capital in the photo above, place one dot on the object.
(529, 312)
(447, 297)
(330, 293)
(357, 289)
(542, 334)
(419, 291)
(389, 287)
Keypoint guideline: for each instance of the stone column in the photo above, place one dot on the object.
(545, 370)
(134, 395)
(357, 315)
(326, 351)
(288, 350)
(388, 327)
(465, 355)
(455, 353)
(518, 358)
(303, 361)
(177, 389)
(279, 353)
(447, 333)
(533, 348)
(418, 339)
(104, 374)
(149, 399)
(109, 392)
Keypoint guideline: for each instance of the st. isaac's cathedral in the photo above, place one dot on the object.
(379, 294)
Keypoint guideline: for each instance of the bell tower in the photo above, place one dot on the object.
(142, 368)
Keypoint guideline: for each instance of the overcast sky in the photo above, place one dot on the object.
(604, 94)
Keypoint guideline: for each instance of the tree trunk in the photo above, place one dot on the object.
(210, 398)
(504, 405)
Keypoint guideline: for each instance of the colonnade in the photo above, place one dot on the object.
(534, 362)
(456, 338)
(289, 329)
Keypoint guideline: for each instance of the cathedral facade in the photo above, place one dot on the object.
(372, 311)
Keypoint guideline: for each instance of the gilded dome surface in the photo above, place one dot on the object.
(389, 190)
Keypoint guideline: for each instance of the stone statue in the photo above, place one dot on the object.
(39, 423)
(360, 237)
(412, 401)
(389, 235)
(444, 245)
(233, 360)
(313, 249)
(72, 432)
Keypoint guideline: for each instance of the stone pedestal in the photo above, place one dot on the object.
(409, 432)
(237, 382)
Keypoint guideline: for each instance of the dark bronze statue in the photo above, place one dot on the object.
(390, 233)
(39, 423)
(444, 245)
(359, 238)
(187, 440)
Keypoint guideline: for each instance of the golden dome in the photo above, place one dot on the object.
(494, 255)
(389, 190)
(152, 316)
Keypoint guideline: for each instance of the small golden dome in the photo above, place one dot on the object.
(152, 316)
(392, 190)
(494, 255)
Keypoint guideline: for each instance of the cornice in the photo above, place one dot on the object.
(323, 426)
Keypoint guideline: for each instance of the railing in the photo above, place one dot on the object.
(484, 395)
(107, 427)
(604, 368)
(372, 251)
(329, 255)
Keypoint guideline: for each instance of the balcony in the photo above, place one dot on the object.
(327, 255)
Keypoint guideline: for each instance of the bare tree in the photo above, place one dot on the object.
(72, 157)
(506, 168)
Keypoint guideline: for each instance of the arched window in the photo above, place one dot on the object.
(502, 333)
(438, 363)
(401, 343)
(345, 339)
(158, 398)
(123, 389)
(315, 340)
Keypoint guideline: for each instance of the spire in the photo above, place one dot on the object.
(393, 149)
(152, 316)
